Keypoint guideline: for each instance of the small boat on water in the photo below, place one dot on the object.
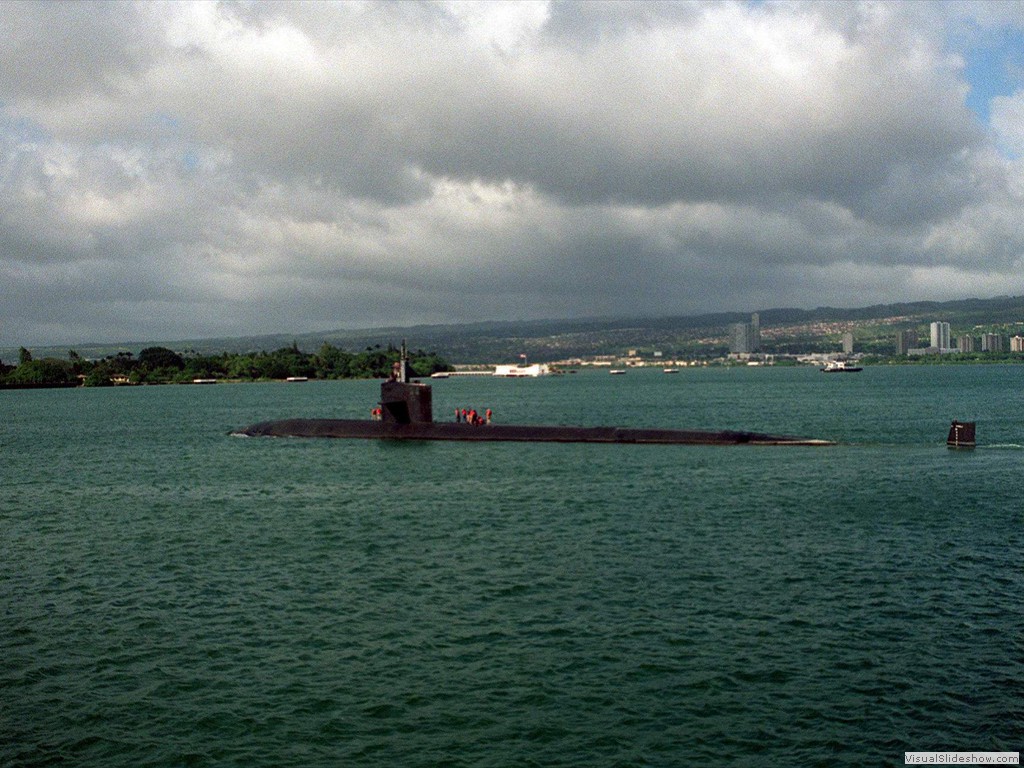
(294, 379)
(841, 366)
(617, 372)
(670, 370)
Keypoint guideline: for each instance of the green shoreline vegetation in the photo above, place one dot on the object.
(160, 365)
(786, 334)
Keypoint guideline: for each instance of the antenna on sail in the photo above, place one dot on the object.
(400, 368)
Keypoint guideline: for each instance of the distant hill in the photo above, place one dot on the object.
(547, 340)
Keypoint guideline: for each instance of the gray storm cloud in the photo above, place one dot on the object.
(177, 170)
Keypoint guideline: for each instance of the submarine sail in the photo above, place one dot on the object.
(961, 434)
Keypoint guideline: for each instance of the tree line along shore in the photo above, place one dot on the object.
(160, 365)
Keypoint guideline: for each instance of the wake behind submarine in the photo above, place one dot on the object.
(406, 413)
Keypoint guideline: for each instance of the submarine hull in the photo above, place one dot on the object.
(381, 430)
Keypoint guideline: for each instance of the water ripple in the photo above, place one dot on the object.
(173, 597)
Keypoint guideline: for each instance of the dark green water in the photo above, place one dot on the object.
(174, 596)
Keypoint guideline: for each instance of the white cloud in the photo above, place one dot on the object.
(186, 169)
(503, 25)
(1008, 122)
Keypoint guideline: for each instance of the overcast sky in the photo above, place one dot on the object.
(182, 170)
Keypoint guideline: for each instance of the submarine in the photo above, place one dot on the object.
(406, 413)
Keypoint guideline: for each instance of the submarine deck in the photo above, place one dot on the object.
(377, 430)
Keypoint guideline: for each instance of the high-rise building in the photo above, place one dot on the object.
(905, 341)
(745, 338)
(940, 335)
(1017, 344)
(741, 339)
(991, 342)
(965, 343)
